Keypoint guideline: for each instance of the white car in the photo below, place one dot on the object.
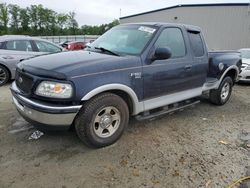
(245, 68)
(14, 48)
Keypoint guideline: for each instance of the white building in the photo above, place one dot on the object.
(224, 26)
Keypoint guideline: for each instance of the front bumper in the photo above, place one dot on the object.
(244, 75)
(42, 115)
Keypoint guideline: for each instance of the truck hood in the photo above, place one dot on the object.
(74, 63)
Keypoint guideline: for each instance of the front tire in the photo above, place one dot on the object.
(221, 95)
(102, 120)
(4, 75)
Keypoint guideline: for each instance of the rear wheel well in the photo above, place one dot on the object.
(231, 73)
(7, 70)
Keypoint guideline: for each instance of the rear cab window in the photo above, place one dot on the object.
(196, 44)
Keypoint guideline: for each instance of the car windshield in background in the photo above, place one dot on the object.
(245, 54)
(124, 40)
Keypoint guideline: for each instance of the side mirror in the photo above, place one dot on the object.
(162, 53)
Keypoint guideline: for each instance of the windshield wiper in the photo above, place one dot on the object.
(106, 50)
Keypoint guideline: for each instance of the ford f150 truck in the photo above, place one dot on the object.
(141, 70)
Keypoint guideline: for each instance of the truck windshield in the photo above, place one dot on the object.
(124, 40)
(245, 54)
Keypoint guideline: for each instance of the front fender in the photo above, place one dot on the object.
(137, 106)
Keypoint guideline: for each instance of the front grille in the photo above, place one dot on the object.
(24, 82)
(248, 77)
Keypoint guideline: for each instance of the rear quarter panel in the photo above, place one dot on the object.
(228, 59)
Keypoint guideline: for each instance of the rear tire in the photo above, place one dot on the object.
(221, 95)
(102, 120)
(4, 75)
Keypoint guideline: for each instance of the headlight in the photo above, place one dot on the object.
(54, 90)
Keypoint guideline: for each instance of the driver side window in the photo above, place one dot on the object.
(173, 39)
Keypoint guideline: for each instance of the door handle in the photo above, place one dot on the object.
(188, 67)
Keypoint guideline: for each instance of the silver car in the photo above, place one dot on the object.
(15, 48)
(245, 68)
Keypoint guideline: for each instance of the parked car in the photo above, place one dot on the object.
(74, 45)
(15, 48)
(142, 70)
(64, 44)
(245, 68)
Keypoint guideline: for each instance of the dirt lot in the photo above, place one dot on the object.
(204, 146)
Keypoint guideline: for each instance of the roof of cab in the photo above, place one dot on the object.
(162, 24)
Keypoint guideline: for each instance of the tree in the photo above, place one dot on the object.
(51, 17)
(61, 22)
(73, 25)
(33, 14)
(4, 17)
(24, 20)
(39, 20)
(14, 11)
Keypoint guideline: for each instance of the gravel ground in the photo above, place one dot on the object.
(204, 146)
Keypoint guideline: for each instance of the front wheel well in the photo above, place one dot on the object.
(7, 70)
(125, 96)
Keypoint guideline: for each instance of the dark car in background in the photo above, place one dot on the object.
(14, 48)
(64, 44)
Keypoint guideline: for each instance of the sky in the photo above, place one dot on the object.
(96, 12)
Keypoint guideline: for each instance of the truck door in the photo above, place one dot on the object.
(168, 81)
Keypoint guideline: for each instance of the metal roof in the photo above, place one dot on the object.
(5, 38)
(19, 37)
(189, 5)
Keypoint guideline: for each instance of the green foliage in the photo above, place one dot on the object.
(14, 11)
(4, 19)
(24, 21)
(38, 20)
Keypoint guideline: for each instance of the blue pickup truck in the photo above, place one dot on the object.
(142, 70)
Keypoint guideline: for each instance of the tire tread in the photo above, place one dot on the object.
(85, 113)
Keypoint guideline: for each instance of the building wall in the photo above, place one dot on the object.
(224, 27)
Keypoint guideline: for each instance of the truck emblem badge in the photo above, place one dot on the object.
(136, 75)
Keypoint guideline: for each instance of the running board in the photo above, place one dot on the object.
(167, 109)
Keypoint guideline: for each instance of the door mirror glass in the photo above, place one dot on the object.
(162, 53)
